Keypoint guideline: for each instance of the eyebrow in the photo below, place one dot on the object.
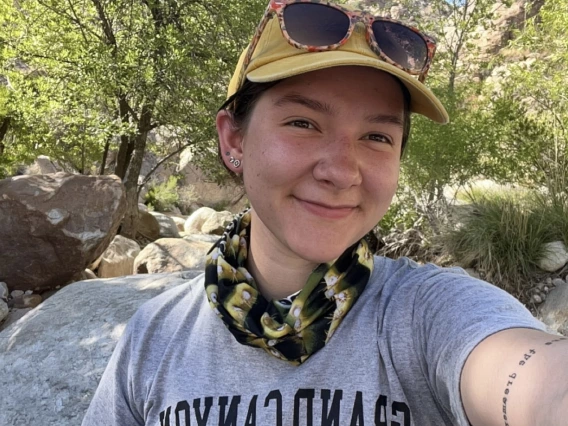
(385, 119)
(296, 98)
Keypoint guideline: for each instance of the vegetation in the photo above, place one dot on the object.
(163, 197)
(86, 77)
(502, 234)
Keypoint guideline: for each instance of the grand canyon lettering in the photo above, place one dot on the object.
(236, 411)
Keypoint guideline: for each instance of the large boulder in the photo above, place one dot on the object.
(554, 311)
(54, 226)
(53, 357)
(207, 221)
(179, 221)
(171, 255)
(148, 226)
(4, 310)
(43, 166)
(555, 257)
(118, 258)
(168, 227)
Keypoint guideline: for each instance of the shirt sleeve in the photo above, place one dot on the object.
(453, 313)
(113, 403)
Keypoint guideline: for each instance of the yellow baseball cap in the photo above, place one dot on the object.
(275, 59)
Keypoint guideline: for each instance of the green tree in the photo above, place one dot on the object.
(538, 85)
(107, 73)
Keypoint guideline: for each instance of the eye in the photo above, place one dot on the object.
(378, 137)
(303, 124)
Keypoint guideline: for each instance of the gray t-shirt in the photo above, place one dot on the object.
(395, 360)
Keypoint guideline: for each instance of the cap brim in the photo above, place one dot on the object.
(423, 101)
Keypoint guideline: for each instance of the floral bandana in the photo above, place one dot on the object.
(292, 329)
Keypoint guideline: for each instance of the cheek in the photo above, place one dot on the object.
(274, 161)
(382, 182)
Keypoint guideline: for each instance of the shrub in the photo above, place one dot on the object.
(502, 234)
(187, 196)
(163, 197)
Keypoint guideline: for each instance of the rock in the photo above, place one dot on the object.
(558, 281)
(142, 207)
(196, 189)
(555, 256)
(4, 310)
(174, 210)
(207, 221)
(46, 294)
(28, 301)
(170, 255)
(43, 166)
(54, 226)
(87, 274)
(4, 292)
(209, 239)
(148, 226)
(53, 358)
(536, 298)
(118, 259)
(554, 312)
(180, 222)
(217, 223)
(168, 228)
(14, 316)
(16, 294)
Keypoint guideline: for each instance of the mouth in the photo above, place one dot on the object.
(327, 211)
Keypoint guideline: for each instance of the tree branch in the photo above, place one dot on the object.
(159, 163)
(74, 20)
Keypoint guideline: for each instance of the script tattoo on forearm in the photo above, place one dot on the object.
(513, 376)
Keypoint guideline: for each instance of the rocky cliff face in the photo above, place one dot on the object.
(490, 39)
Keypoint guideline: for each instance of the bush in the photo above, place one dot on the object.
(502, 235)
(163, 197)
(401, 215)
(187, 196)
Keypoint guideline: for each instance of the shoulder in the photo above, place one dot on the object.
(403, 275)
(430, 295)
(160, 316)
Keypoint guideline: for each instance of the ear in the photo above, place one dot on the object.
(230, 140)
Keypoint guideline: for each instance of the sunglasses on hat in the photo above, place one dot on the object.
(317, 26)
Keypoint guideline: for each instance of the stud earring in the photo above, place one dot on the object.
(235, 162)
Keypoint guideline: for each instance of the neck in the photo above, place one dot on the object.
(277, 271)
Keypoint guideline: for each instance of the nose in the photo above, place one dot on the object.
(339, 164)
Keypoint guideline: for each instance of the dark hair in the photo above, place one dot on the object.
(242, 103)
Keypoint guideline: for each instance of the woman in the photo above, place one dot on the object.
(298, 323)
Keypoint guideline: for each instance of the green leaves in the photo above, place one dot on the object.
(87, 69)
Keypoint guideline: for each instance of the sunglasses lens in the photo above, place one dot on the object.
(401, 45)
(313, 24)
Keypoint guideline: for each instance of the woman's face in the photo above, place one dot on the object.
(320, 159)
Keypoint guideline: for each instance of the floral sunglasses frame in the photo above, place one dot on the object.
(277, 7)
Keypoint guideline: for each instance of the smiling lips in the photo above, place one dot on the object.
(326, 211)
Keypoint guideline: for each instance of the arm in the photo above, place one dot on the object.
(517, 377)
